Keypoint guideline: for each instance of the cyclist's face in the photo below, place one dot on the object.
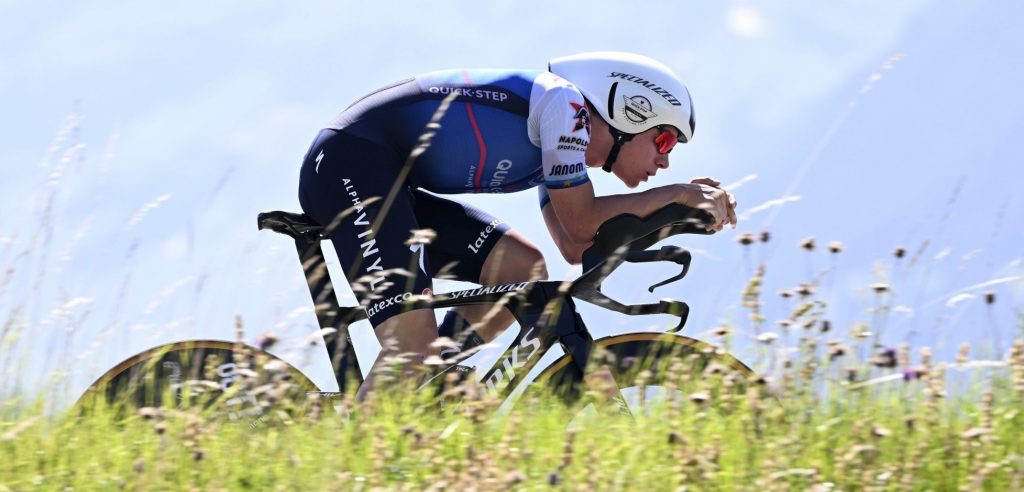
(640, 158)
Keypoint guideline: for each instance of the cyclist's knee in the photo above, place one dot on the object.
(411, 332)
(535, 265)
(514, 259)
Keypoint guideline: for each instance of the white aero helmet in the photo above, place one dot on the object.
(632, 93)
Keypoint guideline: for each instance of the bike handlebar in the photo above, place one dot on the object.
(625, 238)
(640, 233)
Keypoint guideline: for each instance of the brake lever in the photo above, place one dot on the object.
(675, 254)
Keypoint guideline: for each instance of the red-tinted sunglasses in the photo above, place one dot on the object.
(666, 140)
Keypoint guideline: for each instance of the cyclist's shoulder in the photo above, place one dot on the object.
(527, 83)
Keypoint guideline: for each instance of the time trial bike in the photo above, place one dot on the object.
(641, 364)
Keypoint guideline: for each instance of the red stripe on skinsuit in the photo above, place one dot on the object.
(479, 136)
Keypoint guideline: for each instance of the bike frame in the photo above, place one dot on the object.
(546, 317)
(545, 310)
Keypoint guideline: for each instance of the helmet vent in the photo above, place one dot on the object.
(611, 101)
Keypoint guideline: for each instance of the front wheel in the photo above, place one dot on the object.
(652, 369)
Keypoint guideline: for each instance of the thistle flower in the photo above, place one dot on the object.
(266, 341)
(910, 374)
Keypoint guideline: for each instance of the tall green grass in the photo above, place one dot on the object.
(806, 432)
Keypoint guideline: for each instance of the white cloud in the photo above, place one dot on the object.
(745, 22)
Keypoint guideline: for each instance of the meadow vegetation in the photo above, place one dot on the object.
(834, 413)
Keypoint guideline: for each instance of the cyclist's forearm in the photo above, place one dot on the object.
(640, 204)
(580, 212)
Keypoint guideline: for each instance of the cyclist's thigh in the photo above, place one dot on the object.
(465, 236)
(343, 185)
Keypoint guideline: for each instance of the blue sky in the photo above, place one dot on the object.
(880, 124)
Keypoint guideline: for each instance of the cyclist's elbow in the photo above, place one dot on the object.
(572, 253)
(580, 231)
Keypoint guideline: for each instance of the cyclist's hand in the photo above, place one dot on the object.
(704, 193)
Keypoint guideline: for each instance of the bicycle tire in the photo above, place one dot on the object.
(237, 381)
(652, 360)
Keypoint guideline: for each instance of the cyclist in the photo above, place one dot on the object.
(505, 131)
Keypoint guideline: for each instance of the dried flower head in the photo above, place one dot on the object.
(807, 243)
(805, 290)
(786, 294)
(975, 432)
(836, 247)
(421, 236)
(851, 375)
(746, 239)
(836, 351)
(767, 338)
(880, 287)
(700, 397)
(885, 357)
(899, 252)
(990, 297)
